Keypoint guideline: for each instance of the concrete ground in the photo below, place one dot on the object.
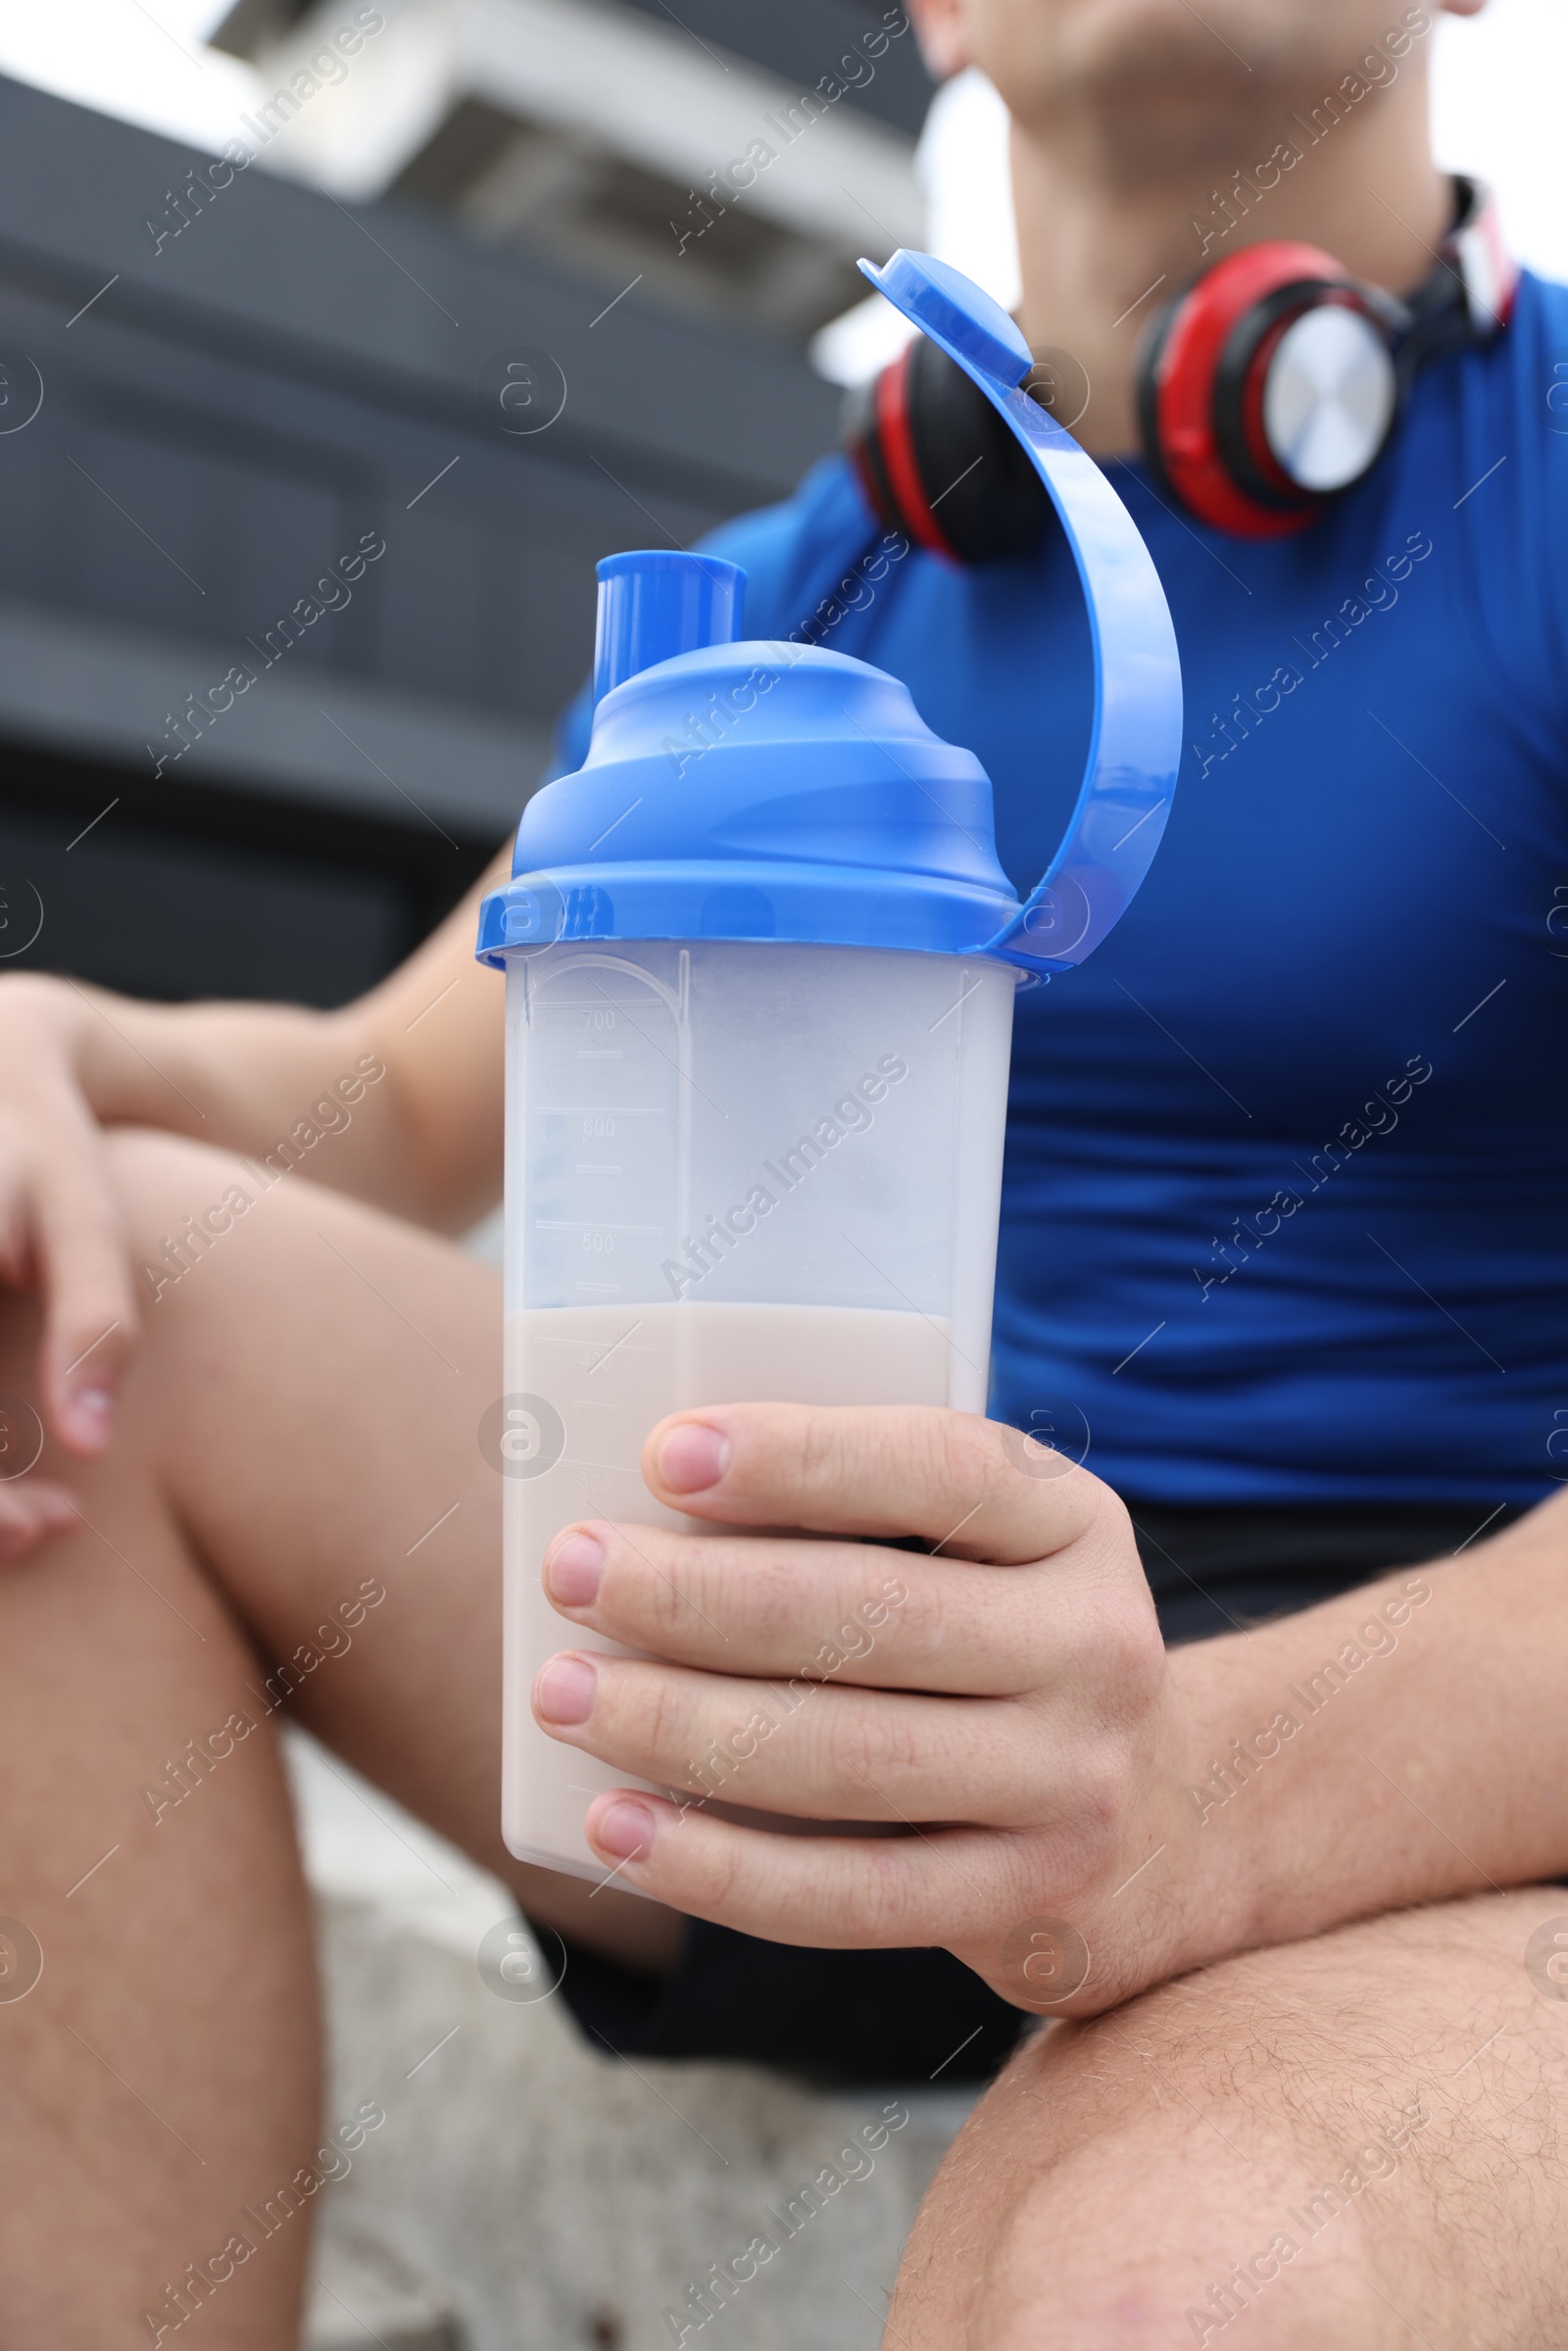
(527, 2193)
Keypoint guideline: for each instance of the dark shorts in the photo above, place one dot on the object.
(912, 2015)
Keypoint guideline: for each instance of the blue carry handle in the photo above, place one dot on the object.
(1136, 740)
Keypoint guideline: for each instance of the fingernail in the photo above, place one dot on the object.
(576, 1569)
(92, 1413)
(564, 1692)
(692, 1456)
(624, 1831)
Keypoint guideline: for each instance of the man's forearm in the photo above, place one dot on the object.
(1404, 1744)
(395, 1098)
(242, 1077)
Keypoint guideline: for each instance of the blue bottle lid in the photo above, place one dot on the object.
(761, 790)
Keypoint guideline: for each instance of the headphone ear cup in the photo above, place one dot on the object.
(937, 463)
(1246, 505)
(1146, 384)
(981, 489)
(1268, 387)
(1242, 385)
(862, 446)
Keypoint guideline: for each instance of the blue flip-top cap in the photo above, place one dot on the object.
(762, 790)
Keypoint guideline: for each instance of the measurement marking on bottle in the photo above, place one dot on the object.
(595, 1110)
(600, 1288)
(588, 1224)
(600, 1053)
(539, 1338)
(583, 1168)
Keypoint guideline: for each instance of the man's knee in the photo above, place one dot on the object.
(181, 1202)
(1155, 2215)
(1245, 2149)
(171, 1192)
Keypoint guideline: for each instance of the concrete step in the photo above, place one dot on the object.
(361, 2295)
(557, 2194)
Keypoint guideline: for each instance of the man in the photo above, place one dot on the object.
(1285, 1882)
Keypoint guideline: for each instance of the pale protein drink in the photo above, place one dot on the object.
(611, 1373)
(760, 967)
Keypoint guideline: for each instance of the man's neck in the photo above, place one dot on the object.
(1099, 258)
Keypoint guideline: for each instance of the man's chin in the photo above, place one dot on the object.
(1158, 79)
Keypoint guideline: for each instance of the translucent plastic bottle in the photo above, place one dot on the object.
(760, 963)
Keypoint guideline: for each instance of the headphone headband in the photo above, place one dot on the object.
(1468, 295)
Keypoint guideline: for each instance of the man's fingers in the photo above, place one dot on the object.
(832, 1893)
(790, 1606)
(969, 1485)
(31, 1509)
(813, 1750)
(90, 1305)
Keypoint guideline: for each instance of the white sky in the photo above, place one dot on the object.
(141, 58)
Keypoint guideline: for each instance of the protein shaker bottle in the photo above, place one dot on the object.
(760, 984)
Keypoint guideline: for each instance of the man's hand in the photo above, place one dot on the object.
(59, 1226)
(1053, 1798)
(1000, 1707)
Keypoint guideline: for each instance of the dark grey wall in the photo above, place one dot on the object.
(804, 40)
(236, 410)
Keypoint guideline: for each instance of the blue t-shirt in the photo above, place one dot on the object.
(1285, 1213)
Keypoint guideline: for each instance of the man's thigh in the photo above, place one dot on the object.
(310, 1392)
(1358, 2141)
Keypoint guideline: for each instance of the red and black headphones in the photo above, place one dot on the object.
(1267, 388)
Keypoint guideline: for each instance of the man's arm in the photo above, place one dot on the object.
(1404, 1743)
(408, 1081)
(425, 1142)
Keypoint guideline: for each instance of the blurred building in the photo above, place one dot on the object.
(734, 158)
(305, 465)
